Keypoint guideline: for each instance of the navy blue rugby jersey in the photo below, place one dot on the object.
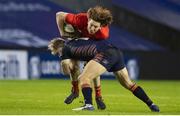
(84, 50)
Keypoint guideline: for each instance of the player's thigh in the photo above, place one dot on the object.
(123, 77)
(66, 65)
(92, 70)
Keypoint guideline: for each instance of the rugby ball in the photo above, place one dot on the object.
(68, 28)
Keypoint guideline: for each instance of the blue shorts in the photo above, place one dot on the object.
(112, 59)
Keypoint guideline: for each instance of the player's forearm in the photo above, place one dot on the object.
(60, 20)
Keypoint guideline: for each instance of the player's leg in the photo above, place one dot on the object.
(71, 68)
(98, 96)
(123, 78)
(91, 71)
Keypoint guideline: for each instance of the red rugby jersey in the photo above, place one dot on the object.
(80, 22)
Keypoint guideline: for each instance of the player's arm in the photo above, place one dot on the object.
(60, 20)
(65, 28)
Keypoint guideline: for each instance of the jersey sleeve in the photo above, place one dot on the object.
(72, 19)
(64, 54)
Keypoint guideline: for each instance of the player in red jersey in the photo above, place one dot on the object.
(91, 25)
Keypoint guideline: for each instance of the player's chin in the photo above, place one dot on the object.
(90, 32)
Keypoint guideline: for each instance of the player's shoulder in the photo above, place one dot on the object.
(82, 16)
(81, 19)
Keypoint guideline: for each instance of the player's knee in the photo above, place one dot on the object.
(66, 71)
(133, 87)
(129, 85)
(75, 69)
(65, 65)
(84, 80)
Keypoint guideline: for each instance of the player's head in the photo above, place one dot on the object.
(97, 17)
(56, 45)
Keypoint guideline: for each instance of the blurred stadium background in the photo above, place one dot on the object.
(148, 32)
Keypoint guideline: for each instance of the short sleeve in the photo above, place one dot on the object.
(64, 54)
(71, 19)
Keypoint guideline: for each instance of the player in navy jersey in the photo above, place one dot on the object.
(101, 57)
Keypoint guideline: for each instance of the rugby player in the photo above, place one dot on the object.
(91, 25)
(101, 57)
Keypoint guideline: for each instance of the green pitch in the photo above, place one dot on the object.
(47, 96)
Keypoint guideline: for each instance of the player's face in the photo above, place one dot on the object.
(93, 26)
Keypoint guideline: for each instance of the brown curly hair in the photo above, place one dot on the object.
(100, 14)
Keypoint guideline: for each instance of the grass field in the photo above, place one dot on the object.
(47, 96)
